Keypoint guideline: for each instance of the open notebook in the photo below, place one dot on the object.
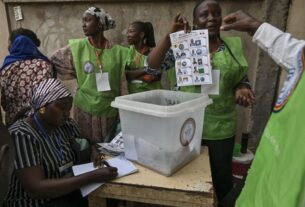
(125, 167)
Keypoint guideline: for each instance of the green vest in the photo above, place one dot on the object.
(277, 174)
(137, 61)
(87, 98)
(220, 117)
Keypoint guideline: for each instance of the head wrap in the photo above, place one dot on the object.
(47, 91)
(104, 17)
(23, 48)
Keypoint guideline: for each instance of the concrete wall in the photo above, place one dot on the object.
(4, 32)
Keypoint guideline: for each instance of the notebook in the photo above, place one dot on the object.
(125, 167)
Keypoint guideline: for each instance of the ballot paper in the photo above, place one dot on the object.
(191, 51)
(125, 167)
(113, 148)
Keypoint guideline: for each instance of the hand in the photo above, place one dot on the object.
(244, 96)
(96, 157)
(148, 78)
(106, 173)
(180, 23)
(240, 21)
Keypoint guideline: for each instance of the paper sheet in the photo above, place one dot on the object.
(125, 167)
(212, 89)
(191, 51)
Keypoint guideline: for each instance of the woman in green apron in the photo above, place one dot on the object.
(220, 117)
(140, 37)
(99, 69)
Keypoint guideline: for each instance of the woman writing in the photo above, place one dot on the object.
(99, 68)
(22, 70)
(220, 117)
(140, 36)
(43, 158)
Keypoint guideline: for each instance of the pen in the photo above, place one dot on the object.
(106, 163)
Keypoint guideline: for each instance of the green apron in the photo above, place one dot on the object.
(220, 117)
(85, 61)
(276, 177)
(136, 62)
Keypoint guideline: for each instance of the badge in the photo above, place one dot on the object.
(88, 67)
(102, 82)
(187, 131)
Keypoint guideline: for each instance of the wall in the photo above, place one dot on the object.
(4, 32)
(57, 21)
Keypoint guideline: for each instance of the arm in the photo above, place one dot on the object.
(282, 47)
(157, 55)
(134, 74)
(62, 61)
(33, 180)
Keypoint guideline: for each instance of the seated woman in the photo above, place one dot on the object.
(22, 70)
(43, 153)
(141, 38)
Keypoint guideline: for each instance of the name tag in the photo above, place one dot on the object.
(102, 82)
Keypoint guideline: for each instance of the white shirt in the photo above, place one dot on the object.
(285, 51)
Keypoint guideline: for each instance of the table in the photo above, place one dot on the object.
(191, 186)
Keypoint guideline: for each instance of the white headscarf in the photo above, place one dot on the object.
(47, 91)
(104, 17)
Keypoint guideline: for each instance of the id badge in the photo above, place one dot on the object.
(66, 170)
(212, 89)
(102, 82)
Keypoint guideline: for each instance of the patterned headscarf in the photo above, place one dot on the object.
(47, 91)
(104, 17)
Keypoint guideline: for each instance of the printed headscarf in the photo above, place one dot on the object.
(47, 91)
(104, 17)
(23, 48)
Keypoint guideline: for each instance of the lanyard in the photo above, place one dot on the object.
(98, 54)
(47, 137)
(98, 57)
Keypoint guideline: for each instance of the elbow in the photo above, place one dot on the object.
(40, 193)
(37, 193)
(151, 64)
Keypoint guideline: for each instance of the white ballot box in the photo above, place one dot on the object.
(162, 129)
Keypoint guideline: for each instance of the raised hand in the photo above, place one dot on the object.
(180, 23)
(240, 21)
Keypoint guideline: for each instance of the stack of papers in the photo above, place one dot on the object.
(114, 148)
(125, 167)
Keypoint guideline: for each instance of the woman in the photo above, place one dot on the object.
(44, 157)
(140, 35)
(22, 70)
(220, 117)
(98, 67)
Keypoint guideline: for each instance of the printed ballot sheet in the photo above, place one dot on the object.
(191, 51)
(125, 167)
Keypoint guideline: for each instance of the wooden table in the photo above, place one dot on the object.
(191, 186)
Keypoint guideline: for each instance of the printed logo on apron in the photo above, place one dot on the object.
(88, 67)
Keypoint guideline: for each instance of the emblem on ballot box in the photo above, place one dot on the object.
(187, 131)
